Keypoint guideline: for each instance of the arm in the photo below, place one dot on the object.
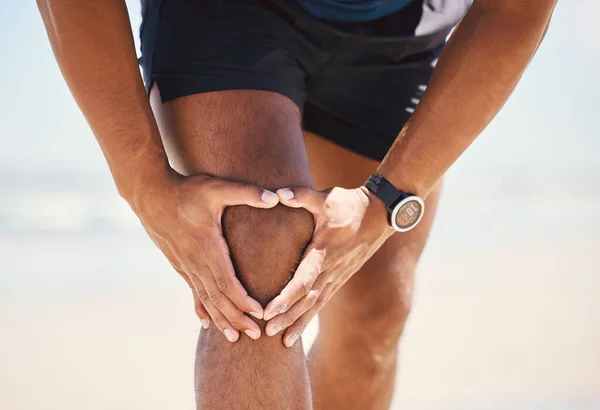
(94, 47)
(476, 73)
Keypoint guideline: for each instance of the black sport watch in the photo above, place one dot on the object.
(405, 210)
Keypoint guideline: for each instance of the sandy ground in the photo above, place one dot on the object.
(491, 329)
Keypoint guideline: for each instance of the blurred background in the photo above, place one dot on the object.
(507, 304)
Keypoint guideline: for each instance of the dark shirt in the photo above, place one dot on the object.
(352, 10)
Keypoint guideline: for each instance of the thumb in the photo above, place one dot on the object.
(302, 197)
(230, 193)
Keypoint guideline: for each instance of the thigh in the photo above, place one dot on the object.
(244, 135)
(389, 272)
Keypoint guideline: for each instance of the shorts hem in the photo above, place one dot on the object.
(177, 86)
(369, 143)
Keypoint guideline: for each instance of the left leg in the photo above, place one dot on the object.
(255, 137)
(353, 362)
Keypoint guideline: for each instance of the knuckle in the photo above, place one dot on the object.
(212, 184)
(306, 286)
(223, 284)
(215, 298)
(191, 258)
(312, 297)
(236, 323)
(203, 245)
(203, 296)
(321, 300)
(209, 192)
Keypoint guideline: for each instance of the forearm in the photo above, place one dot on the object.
(93, 44)
(476, 73)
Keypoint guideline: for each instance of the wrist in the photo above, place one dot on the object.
(378, 210)
(405, 182)
(145, 177)
(404, 209)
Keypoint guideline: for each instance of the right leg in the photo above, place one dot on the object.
(255, 137)
(360, 327)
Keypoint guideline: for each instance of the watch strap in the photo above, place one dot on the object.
(385, 191)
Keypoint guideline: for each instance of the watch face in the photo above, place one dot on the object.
(407, 213)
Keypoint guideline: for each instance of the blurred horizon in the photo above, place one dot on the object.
(506, 313)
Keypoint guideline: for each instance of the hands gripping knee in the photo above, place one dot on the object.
(266, 246)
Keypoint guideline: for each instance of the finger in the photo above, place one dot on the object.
(285, 320)
(307, 273)
(237, 319)
(224, 275)
(200, 310)
(218, 318)
(231, 193)
(295, 331)
(302, 197)
(213, 300)
(198, 306)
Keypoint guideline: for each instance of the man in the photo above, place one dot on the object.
(251, 104)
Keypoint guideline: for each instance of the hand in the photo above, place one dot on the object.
(183, 217)
(350, 225)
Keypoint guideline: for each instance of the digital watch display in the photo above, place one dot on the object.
(405, 210)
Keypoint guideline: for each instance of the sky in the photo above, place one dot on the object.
(549, 126)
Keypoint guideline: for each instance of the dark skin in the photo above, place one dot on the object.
(476, 73)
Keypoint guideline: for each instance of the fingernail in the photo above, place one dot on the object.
(252, 334)
(229, 335)
(289, 342)
(285, 193)
(205, 323)
(269, 197)
(257, 315)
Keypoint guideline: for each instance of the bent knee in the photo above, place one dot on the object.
(387, 311)
(382, 322)
(266, 246)
(377, 301)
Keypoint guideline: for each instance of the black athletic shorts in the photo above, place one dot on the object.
(356, 84)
